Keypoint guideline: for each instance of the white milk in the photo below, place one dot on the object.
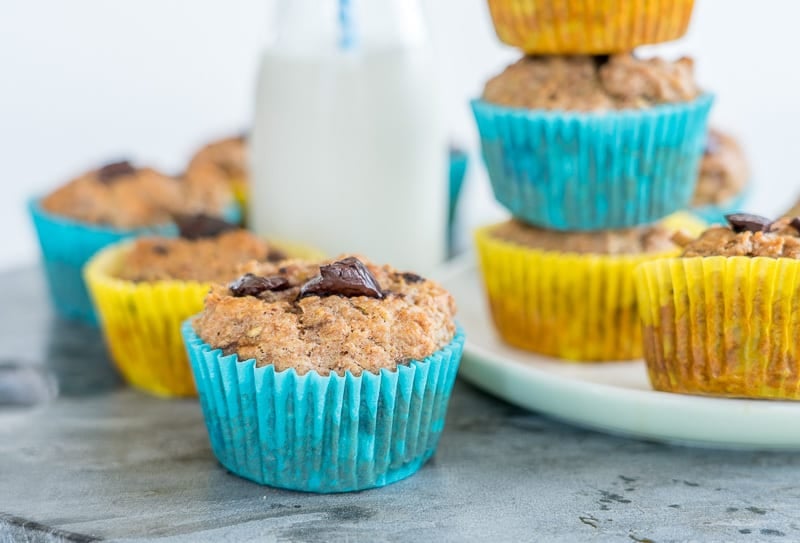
(349, 151)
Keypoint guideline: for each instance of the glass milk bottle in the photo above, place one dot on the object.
(349, 145)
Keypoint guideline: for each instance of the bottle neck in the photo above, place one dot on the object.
(348, 25)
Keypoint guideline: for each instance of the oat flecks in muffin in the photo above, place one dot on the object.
(748, 235)
(331, 333)
(723, 170)
(205, 259)
(586, 83)
(643, 239)
(117, 195)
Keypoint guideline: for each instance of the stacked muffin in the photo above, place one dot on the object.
(593, 150)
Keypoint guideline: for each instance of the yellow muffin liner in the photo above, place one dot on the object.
(580, 307)
(142, 321)
(588, 26)
(240, 195)
(723, 326)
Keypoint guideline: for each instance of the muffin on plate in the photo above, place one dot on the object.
(722, 181)
(101, 207)
(587, 143)
(558, 27)
(570, 294)
(145, 289)
(220, 169)
(723, 318)
(325, 377)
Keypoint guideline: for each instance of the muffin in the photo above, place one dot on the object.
(326, 377)
(588, 26)
(588, 143)
(722, 181)
(145, 289)
(723, 318)
(570, 295)
(101, 207)
(220, 169)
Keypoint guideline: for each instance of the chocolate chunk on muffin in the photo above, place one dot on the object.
(747, 235)
(586, 83)
(342, 315)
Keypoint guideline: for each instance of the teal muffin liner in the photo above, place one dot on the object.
(322, 434)
(233, 213)
(458, 168)
(591, 171)
(66, 246)
(715, 213)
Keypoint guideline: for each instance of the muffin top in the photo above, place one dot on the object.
(336, 316)
(642, 239)
(723, 170)
(220, 162)
(209, 250)
(592, 83)
(118, 195)
(747, 235)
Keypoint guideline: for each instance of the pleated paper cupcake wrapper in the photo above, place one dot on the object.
(723, 326)
(66, 247)
(715, 213)
(579, 307)
(322, 434)
(591, 171)
(240, 194)
(142, 321)
(558, 27)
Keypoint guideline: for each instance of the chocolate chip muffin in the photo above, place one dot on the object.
(722, 319)
(347, 315)
(592, 83)
(723, 170)
(219, 172)
(570, 295)
(593, 142)
(341, 371)
(144, 289)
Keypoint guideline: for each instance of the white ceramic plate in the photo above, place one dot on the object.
(612, 397)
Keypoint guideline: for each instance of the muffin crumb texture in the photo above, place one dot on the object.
(203, 259)
(723, 170)
(747, 235)
(587, 83)
(331, 317)
(645, 239)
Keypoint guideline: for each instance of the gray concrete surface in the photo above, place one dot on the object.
(98, 461)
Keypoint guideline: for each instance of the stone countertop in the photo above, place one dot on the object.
(99, 461)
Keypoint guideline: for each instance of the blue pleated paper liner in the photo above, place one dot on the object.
(458, 169)
(322, 434)
(715, 213)
(66, 246)
(590, 171)
(233, 213)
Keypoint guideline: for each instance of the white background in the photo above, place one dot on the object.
(84, 81)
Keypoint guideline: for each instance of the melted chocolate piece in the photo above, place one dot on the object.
(745, 222)
(409, 277)
(599, 60)
(113, 171)
(276, 255)
(253, 285)
(160, 249)
(348, 277)
(713, 144)
(202, 226)
(795, 223)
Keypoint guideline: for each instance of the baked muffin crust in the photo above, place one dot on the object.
(289, 328)
(756, 237)
(586, 83)
(118, 195)
(723, 170)
(643, 239)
